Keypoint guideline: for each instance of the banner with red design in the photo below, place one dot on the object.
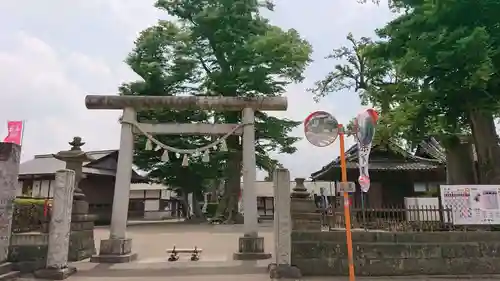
(15, 134)
(365, 124)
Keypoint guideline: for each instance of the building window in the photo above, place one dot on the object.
(426, 187)
(420, 187)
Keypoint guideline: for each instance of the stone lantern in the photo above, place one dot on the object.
(74, 159)
(303, 209)
(82, 223)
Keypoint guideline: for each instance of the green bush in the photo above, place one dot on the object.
(29, 201)
(29, 215)
(211, 209)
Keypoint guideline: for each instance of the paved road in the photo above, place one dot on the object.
(219, 243)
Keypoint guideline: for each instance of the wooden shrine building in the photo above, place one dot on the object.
(394, 174)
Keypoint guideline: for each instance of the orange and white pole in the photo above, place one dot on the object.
(347, 213)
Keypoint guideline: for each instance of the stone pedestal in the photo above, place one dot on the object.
(82, 244)
(55, 273)
(7, 272)
(251, 248)
(9, 169)
(284, 271)
(115, 251)
(303, 210)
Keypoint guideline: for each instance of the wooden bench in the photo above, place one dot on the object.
(174, 253)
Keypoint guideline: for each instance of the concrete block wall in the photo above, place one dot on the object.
(397, 253)
(28, 251)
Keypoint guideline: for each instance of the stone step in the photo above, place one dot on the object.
(5, 267)
(12, 275)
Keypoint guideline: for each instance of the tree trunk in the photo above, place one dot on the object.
(185, 205)
(486, 145)
(197, 211)
(228, 206)
(459, 161)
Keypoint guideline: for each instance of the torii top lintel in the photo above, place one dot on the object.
(187, 102)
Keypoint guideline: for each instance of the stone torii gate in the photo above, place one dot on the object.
(118, 248)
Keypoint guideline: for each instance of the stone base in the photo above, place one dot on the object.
(251, 256)
(7, 272)
(284, 271)
(251, 248)
(115, 251)
(114, 258)
(55, 273)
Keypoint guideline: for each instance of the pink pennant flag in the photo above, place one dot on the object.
(15, 132)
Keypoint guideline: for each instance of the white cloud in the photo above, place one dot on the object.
(35, 88)
(48, 67)
(87, 64)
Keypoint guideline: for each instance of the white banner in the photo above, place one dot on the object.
(365, 131)
(364, 176)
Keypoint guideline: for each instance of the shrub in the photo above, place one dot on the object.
(29, 215)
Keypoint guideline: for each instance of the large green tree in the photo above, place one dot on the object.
(217, 48)
(360, 67)
(452, 49)
(356, 68)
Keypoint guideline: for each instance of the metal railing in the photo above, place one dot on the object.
(390, 218)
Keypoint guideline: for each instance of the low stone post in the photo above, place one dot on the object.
(282, 268)
(9, 170)
(57, 257)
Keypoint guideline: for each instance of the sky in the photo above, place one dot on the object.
(55, 52)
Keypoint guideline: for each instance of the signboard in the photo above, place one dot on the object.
(472, 204)
(346, 187)
(321, 128)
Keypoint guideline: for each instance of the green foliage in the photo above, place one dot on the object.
(214, 48)
(432, 64)
(450, 47)
(30, 201)
(29, 216)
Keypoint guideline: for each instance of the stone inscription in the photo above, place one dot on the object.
(9, 169)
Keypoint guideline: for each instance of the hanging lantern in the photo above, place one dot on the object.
(149, 145)
(164, 156)
(206, 156)
(185, 161)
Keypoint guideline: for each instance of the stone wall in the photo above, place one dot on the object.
(397, 253)
(28, 251)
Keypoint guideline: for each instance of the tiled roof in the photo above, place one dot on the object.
(432, 148)
(46, 164)
(405, 161)
(381, 166)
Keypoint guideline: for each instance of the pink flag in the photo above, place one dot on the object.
(15, 132)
